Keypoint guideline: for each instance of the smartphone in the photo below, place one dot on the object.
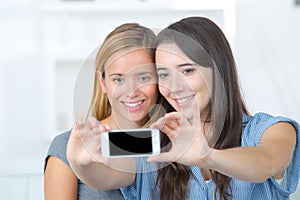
(130, 143)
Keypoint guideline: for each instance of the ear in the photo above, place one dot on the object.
(101, 81)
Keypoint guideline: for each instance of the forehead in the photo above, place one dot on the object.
(129, 60)
(170, 54)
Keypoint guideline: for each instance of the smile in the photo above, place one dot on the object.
(184, 100)
(133, 105)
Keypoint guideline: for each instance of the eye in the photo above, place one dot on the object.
(144, 78)
(118, 80)
(188, 71)
(163, 75)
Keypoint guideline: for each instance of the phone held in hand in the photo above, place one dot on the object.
(130, 143)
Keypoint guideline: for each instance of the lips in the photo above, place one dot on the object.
(185, 100)
(133, 104)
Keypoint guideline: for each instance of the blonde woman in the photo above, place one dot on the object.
(125, 89)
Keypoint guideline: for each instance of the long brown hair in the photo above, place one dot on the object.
(204, 43)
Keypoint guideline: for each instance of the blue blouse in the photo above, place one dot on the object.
(271, 189)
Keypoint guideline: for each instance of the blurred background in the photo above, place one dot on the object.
(44, 43)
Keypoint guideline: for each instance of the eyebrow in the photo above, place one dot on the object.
(161, 68)
(186, 64)
(115, 74)
(178, 66)
(139, 73)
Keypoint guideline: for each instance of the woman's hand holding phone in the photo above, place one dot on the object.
(189, 144)
(84, 143)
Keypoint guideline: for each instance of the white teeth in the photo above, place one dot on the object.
(132, 105)
(183, 100)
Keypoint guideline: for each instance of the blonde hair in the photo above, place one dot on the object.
(126, 36)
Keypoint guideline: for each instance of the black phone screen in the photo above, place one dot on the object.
(130, 143)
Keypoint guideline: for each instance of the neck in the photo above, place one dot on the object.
(116, 123)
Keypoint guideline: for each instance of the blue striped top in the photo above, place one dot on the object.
(271, 189)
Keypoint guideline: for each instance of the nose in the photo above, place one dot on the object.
(132, 88)
(176, 83)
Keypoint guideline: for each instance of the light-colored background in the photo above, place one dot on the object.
(43, 44)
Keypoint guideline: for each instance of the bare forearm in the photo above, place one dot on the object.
(257, 163)
(118, 173)
(246, 163)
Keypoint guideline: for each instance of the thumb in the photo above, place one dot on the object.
(154, 125)
(78, 123)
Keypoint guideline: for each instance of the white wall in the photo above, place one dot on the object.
(267, 53)
(37, 39)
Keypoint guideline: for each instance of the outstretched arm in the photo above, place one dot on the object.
(255, 164)
(83, 153)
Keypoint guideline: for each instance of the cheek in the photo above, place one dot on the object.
(163, 90)
(203, 93)
(206, 81)
(202, 90)
(201, 82)
(113, 91)
(198, 85)
(150, 90)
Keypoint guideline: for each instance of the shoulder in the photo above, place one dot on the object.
(61, 138)
(86, 192)
(255, 126)
(263, 119)
(58, 146)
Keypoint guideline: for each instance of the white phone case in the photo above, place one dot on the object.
(155, 143)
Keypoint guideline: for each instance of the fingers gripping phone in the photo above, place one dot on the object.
(130, 143)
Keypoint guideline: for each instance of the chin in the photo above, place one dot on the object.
(137, 119)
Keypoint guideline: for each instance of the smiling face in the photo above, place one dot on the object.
(130, 83)
(186, 85)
